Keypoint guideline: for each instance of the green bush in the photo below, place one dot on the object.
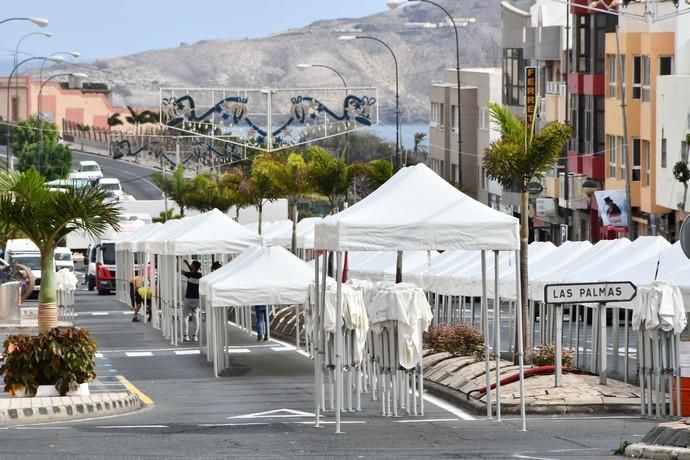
(63, 357)
(545, 355)
(457, 339)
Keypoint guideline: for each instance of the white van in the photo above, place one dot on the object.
(63, 259)
(25, 252)
(112, 186)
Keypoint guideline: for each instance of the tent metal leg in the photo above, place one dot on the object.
(485, 328)
(602, 343)
(497, 336)
(626, 340)
(519, 319)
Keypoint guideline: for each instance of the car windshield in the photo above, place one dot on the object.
(90, 168)
(108, 253)
(63, 256)
(111, 187)
(30, 261)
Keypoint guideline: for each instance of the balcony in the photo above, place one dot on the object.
(555, 87)
(593, 166)
(587, 83)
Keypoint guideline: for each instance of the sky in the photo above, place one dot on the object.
(103, 29)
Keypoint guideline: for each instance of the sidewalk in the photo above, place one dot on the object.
(458, 379)
(30, 411)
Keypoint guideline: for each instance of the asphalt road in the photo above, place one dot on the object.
(135, 179)
(195, 415)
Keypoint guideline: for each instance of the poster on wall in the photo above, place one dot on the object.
(612, 207)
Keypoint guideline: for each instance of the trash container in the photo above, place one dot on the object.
(9, 302)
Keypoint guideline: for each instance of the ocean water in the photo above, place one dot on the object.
(407, 131)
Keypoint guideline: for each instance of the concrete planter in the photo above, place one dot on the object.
(49, 390)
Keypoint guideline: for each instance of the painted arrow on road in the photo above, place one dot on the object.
(278, 413)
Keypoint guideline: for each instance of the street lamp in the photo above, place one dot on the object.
(38, 115)
(309, 66)
(392, 4)
(53, 58)
(19, 42)
(397, 92)
(74, 54)
(40, 22)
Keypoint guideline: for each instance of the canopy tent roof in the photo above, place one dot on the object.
(417, 209)
(658, 266)
(155, 242)
(129, 242)
(563, 256)
(383, 267)
(260, 276)
(444, 259)
(211, 233)
(304, 231)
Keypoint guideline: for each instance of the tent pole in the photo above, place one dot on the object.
(602, 343)
(521, 358)
(338, 340)
(322, 332)
(487, 344)
(315, 342)
(676, 353)
(497, 337)
(626, 339)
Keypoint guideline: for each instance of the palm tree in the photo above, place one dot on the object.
(46, 217)
(516, 159)
(176, 186)
(140, 118)
(291, 178)
(261, 187)
(114, 120)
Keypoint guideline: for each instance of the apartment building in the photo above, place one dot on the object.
(653, 57)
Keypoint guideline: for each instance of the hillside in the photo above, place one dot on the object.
(270, 61)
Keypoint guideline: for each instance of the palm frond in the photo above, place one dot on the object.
(511, 126)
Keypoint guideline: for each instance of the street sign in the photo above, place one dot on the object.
(530, 95)
(616, 291)
(685, 237)
(535, 187)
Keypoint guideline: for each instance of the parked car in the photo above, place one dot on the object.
(88, 170)
(112, 186)
(63, 259)
(25, 252)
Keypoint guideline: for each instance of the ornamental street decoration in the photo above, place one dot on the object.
(268, 119)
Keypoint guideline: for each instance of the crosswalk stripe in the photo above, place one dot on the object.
(239, 350)
(187, 352)
(134, 354)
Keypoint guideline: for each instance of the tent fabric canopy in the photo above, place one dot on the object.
(417, 209)
(259, 276)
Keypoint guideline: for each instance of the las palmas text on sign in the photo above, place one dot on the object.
(619, 291)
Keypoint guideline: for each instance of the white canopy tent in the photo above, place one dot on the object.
(383, 267)
(126, 260)
(258, 276)
(414, 210)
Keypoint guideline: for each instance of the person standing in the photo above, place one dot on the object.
(262, 324)
(191, 300)
(134, 284)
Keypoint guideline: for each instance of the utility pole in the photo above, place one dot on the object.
(624, 145)
(568, 56)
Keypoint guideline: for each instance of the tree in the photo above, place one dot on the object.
(682, 174)
(54, 161)
(140, 118)
(516, 159)
(261, 188)
(175, 186)
(235, 185)
(45, 217)
(206, 193)
(329, 176)
(291, 179)
(28, 132)
(114, 120)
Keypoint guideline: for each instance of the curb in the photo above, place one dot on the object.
(477, 407)
(68, 408)
(642, 450)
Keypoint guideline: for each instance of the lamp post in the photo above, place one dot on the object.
(39, 104)
(40, 22)
(16, 50)
(74, 54)
(52, 58)
(392, 4)
(397, 92)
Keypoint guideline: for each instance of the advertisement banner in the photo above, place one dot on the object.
(612, 207)
(530, 94)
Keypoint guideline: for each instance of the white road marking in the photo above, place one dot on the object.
(283, 348)
(342, 422)
(448, 407)
(100, 313)
(277, 413)
(428, 420)
(41, 428)
(140, 178)
(134, 354)
(239, 350)
(187, 352)
(99, 355)
(233, 424)
(110, 427)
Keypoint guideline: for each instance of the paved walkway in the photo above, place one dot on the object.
(459, 378)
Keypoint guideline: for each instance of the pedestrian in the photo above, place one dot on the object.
(215, 266)
(262, 324)
(134, 284)
(191, 300)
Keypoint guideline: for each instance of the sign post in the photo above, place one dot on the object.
(581, 293)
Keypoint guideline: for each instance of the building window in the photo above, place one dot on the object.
(623, 163)
(664, 156)
(454, 114)
(582, 43)
(437, 115)
(637, 77)
(646, 79)
(636, 161)
(666, 65)
(683, 151)
(513, 76)
(483, 178)
(484, 118)
(648, 163)
(589, 123)
(613, 154)
(612, 75)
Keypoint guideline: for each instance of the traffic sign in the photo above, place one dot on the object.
(616, 291)
(534, 187)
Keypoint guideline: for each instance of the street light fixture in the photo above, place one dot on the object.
(38, 115)
(392, 4)
(52, 58)
(397, 90)
(40, 22)
(309, 66)
(19, 42)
